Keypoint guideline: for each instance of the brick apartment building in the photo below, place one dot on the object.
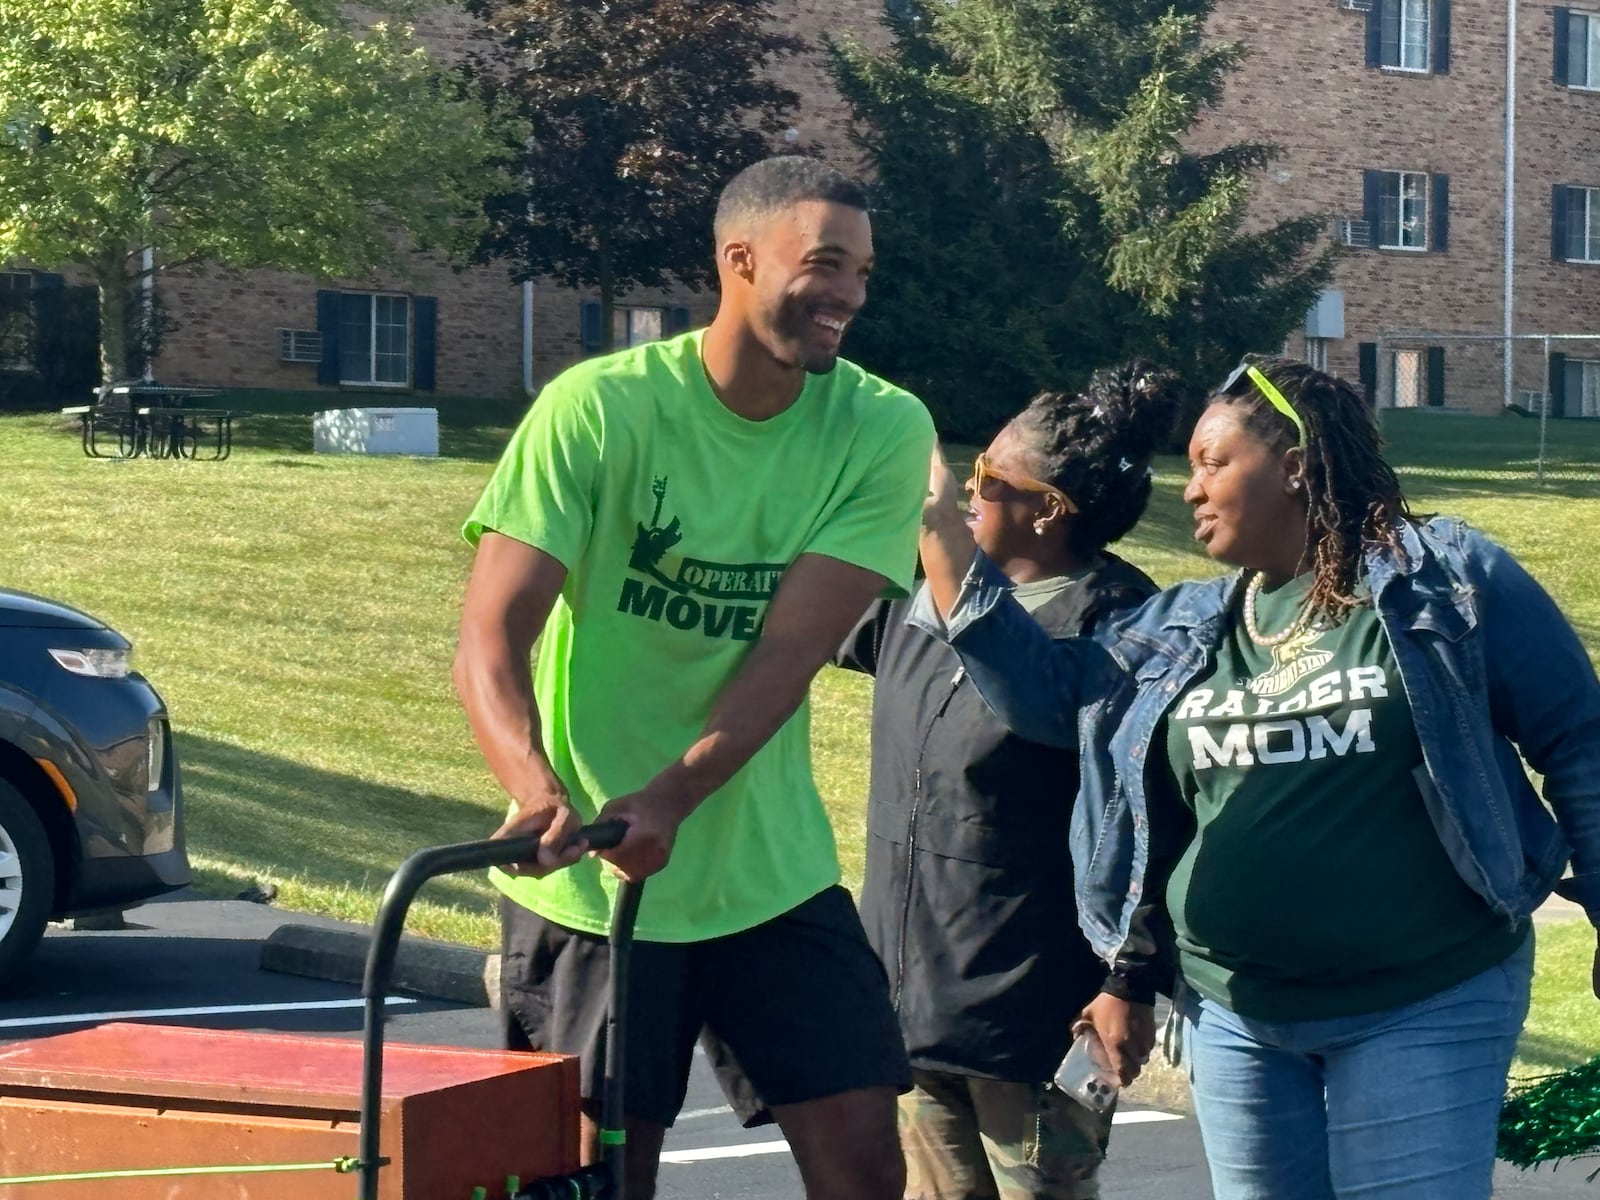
(1392, 118)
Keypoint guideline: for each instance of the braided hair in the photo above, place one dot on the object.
(1096, 447)
(1353, 495)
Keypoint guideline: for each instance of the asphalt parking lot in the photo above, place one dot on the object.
(191, 961)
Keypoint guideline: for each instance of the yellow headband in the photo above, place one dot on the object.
(1266, 387)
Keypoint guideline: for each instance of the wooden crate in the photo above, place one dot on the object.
(131, 1097)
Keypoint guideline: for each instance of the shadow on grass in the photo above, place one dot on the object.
(1552, 1053)
(290, 433)
(470, 427)
(284, 819)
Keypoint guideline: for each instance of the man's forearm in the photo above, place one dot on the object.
(496, 689)
(768, 689)
(510, 594)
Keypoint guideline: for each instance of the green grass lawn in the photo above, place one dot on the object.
(298, 613)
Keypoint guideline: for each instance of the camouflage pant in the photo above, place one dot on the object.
(982, 1139)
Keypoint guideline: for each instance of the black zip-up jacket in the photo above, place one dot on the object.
(968, 896)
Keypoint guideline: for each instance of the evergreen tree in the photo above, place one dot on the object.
(640, 110)
(1047, 208)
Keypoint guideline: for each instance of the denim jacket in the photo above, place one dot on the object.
(1489, 664)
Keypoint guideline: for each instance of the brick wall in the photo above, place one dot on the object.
(1558, 142)
(1305, 87)
(823, 118)
(227, 333)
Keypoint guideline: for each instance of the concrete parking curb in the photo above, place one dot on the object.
(449, 971)
(422, 967)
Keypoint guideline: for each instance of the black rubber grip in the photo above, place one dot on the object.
(602, 835)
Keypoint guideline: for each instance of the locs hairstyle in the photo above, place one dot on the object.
(1353, 494)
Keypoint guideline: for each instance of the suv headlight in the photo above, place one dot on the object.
(99, 663)
(156, 760)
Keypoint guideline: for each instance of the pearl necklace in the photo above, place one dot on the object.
(1251, 591)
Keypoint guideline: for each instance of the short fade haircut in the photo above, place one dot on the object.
(775, 184)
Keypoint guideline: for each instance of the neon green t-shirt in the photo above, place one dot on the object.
(675, 519)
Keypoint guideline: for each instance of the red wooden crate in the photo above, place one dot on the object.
(131, 1097)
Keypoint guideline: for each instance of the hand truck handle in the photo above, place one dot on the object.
(397, 897)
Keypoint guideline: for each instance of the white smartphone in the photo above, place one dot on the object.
(1085, 1073)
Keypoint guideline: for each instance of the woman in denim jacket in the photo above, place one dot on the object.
(1329, 740)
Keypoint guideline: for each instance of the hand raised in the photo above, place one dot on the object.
(943, 503)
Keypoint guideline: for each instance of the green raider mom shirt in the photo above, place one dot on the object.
(676, 519)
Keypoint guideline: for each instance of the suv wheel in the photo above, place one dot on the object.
(27, 878)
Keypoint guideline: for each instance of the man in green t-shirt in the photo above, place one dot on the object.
(690, 528)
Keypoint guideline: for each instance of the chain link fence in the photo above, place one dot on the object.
(1523, 409)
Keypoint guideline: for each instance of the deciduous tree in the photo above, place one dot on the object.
(640, 110)
(249, 133)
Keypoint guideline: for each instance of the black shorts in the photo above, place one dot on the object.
(792, 1010)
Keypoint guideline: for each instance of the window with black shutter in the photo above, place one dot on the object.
(1575, 224)
(1409, 35)
(636, 324)
(1396, 204)
(369, 339)
(1577, 48)
(1408, 378)
(1581, 393)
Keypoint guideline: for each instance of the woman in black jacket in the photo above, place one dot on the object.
(968, 895)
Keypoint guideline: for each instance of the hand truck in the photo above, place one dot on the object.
(598, 1181)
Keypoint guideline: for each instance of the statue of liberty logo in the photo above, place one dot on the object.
(652, 542)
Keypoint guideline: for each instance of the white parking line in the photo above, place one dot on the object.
(213, 1010)
(707, 1153)
(751, 1149)
(694, 1114)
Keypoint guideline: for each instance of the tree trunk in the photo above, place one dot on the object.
(111, 277)
(608, 292)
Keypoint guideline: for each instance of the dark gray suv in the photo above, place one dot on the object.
(90, 801)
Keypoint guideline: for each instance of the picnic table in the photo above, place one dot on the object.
(157, 420)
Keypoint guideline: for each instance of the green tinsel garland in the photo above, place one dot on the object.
(1552, 1119)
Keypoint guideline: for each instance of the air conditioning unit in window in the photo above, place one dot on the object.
(1353, 233)
(1356, 5)
(299, 345)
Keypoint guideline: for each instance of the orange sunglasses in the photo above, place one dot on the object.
(983, 471)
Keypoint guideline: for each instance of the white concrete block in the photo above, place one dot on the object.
(376, 431)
